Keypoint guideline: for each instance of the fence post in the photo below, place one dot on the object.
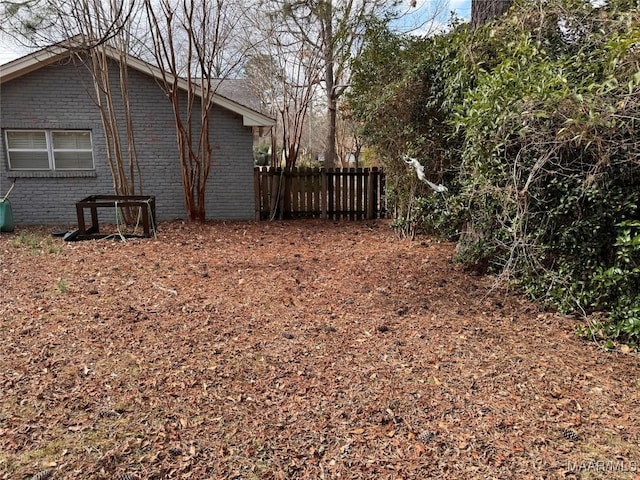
(339, 210)
(360, 203)
(377, 190)
(257, 195)
(370, 195)
(324, 193)
(276, 192)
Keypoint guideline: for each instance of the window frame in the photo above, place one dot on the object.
(49, 133)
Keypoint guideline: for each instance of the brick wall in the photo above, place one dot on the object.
(60, 97)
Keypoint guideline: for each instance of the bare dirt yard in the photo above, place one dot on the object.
(306, 349)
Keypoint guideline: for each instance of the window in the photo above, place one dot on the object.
(27, 150)
(49, 149)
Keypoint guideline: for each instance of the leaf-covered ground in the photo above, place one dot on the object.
(308, 349)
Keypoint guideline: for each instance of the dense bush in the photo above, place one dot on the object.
(403, 92)
(533, 122)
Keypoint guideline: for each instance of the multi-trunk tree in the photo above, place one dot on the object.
(286, 74)
(332, 32)
(195, 46)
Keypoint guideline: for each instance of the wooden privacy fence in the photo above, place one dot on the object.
(335, 193)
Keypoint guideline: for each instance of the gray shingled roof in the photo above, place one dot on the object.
(239, 90)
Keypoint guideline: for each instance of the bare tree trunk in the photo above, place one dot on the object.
(483, 11)
(275, 161)
(95, 20)
(329, 78)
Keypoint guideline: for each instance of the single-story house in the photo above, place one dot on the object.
(53, 142)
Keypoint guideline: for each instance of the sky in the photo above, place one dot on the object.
(9, 50)
(426, 17)
(416, 20)
(429, 16)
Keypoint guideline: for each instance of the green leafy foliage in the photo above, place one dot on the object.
(261, 155)
(532, 122)
(618, 286)
(403, 91)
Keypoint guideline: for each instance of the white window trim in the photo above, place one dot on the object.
(50, 150)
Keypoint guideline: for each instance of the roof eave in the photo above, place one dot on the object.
(253, 122)
(250, 118)
(32, 62)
